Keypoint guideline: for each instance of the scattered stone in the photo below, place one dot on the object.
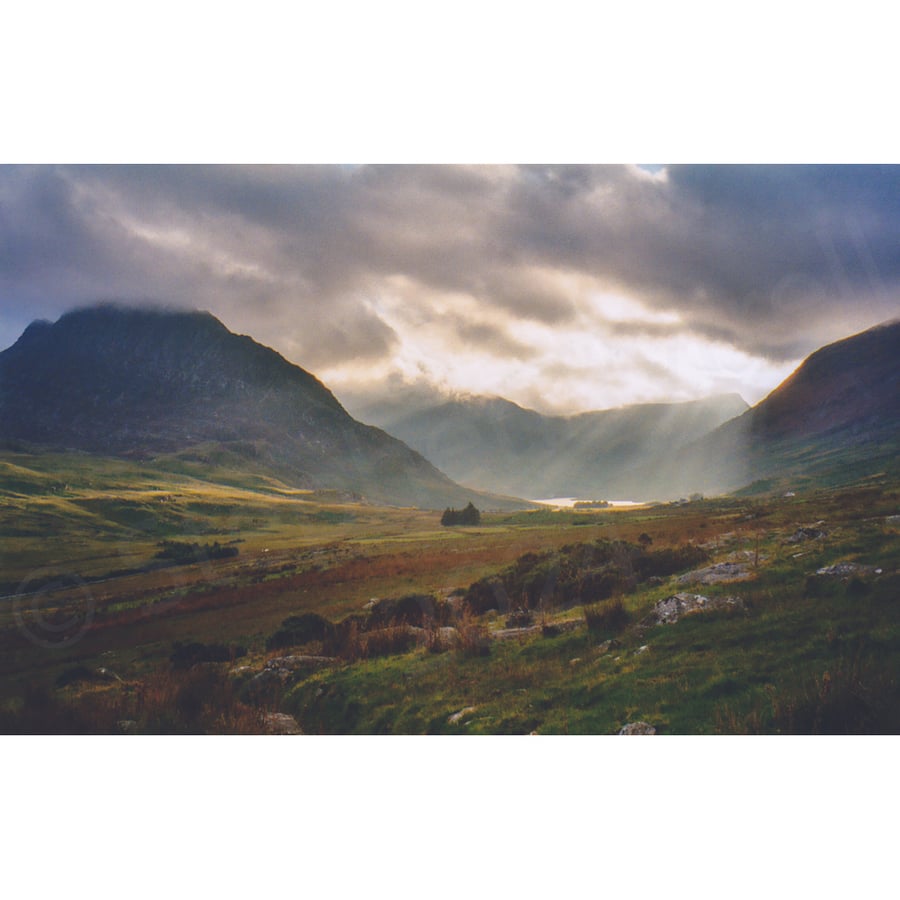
(371, 604)
(638, 728)
(285, 665)
(108, 675)
(457, 717)
(893, 520)
(556, 627)
(240, 670)
(520, 618)
(606, 646)
(642, 649)
(839, 570)
(126, 726)
(574, 661)
(504, 634)
(419, 634)
(448, 636)
(281, 723)
(725, 571)
(671, 609)
(746, 556)
(806, 534)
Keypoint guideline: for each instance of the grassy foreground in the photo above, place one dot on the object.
(141, 600)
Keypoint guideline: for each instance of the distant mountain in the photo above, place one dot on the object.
(491, 442)
(835, 419)
(150, 382)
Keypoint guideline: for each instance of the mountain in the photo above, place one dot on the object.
(491, 442)
(150, 383)
(835, 419)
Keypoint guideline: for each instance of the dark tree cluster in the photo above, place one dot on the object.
(468, 516)
(181, 552)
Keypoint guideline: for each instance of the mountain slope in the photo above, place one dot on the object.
(492, 442)
(151, 382)
(836, 418)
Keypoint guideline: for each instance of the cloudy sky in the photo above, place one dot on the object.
(562, 288)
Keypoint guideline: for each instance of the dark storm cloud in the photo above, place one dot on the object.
(774, 260)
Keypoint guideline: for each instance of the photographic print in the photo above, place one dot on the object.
(445, 449)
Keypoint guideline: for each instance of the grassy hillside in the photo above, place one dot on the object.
(121, 611)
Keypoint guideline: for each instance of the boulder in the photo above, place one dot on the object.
(671, 609)
(638, 728)
(443, 639)
(280, 723)
(457, 717)
(724, 571)
(504, 634)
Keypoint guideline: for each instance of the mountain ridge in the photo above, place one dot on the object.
(491, 440)
(152, 381)
(836, 417)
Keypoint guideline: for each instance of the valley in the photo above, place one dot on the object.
(800, 651)
(198, 538)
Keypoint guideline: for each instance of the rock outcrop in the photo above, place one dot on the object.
(671, 609)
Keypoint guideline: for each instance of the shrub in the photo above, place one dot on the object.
(486, 594)
(413, 609)
(388, 641)
(669, 561)
(473, 638)
(184, 656)
(295, 631)
(608, 617)
(599, 584)
(345, 639)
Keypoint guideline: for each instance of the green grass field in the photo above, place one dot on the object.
(106, 570)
